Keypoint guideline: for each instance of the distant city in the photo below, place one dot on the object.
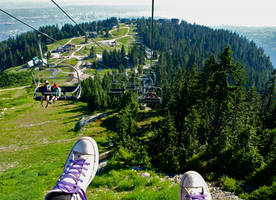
(263, 37)
(52, 16)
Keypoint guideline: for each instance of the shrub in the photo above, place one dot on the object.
(230, 184)
(264, 193)
(15, 79)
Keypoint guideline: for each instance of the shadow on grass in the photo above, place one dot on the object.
(144, 129)
(109, 123)
(81, 108)
(143, 116)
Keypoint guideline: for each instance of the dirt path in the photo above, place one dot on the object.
(15, 147)
(117, 38)
(17, 88)
(81, 73)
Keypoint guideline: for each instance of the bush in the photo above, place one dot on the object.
(242, 162)
(122, 154)
(15, 79)
(264, 193)
(195, 163)
(263, 175)
(230, 184)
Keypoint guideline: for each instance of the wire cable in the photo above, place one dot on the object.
(76, 24)
(28, 25)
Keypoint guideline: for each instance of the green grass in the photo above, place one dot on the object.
(72, 61)
(57, 44)
(45, 73)
(128, 184)
(132, 30)
(15, 78)
(52, 60)
(78, 41)
(35, 142)
(16, 69)
(66, 54)
(84, 51)
(90, 71)
(122, 31)
(125, 40)
(66, 69)
(100, 50)
(104, 71)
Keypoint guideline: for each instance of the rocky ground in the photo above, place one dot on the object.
(216, 192)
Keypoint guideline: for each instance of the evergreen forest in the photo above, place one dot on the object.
(218, 109)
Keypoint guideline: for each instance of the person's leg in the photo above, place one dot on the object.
(47, 100)
(59, 196)
(41, 100)
(80, 169)
(193, 186)
(54, 99)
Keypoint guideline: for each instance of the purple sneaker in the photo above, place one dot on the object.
(193, 187)
(80, 169)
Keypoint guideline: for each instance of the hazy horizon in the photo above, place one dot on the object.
(247, 13)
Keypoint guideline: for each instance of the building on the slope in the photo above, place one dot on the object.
(37, 62)
(66, 48)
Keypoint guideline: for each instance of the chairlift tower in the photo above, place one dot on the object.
(40, 49)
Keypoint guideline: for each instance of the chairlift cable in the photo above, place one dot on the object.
(76, 24)
(69, 16)
(28, 25)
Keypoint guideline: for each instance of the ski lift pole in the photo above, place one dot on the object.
(40, 49)
(151, 41)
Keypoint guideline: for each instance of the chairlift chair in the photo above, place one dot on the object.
(131, 87)
(134, 85)
(117, 88)
(68, 92)
(150, 95)
(146, 81)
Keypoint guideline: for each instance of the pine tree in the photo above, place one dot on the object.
(222, 84)
(163, 148)
(92, 53)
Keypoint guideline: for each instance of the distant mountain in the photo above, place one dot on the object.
(264, 37)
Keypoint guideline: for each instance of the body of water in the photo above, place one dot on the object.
(37, 17)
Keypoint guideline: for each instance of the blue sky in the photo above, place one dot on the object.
(206, 12)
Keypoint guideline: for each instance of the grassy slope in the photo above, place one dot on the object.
(57, 44)
(121, 32)
(34, 143)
